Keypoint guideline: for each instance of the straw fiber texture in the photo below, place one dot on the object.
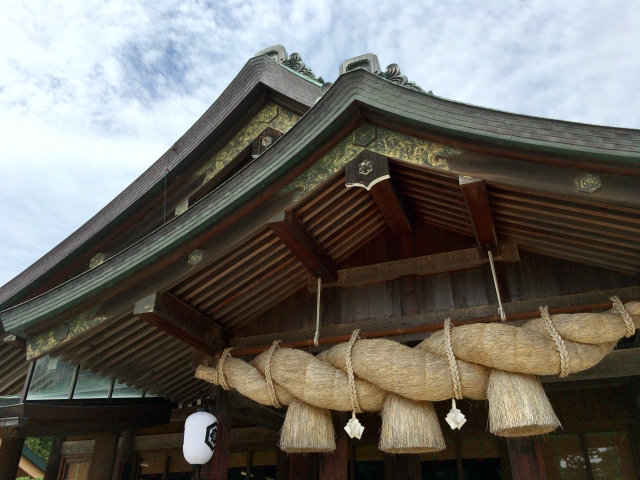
(496, 361)
(307, 429)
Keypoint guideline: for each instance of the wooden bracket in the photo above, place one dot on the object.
(175, 317)
(370, 171)
(263, 141)
(288, 227)
(16, 342)
(477, 200)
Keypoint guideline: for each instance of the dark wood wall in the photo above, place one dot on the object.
(535, 276)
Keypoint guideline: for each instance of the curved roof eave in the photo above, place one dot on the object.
(287, 158)
(257, 71)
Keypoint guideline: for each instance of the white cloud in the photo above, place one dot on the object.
(92, 92)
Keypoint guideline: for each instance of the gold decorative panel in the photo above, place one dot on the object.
(271, 115)
(46, 341)
(380, 140)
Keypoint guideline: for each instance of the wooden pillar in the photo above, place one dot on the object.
(402, 467)
(525, 457)
(335, 465)
(126, 456)
(303, 466)
(282, 466)
(220, 462)
(55, 457)
(10, 453)
(408, 283)
(103, 458)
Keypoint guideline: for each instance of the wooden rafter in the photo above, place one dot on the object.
(183, 322)
(288, 227)
(370, 170)
(477, 200)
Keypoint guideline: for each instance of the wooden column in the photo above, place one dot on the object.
(55, 456)
(335, 466)
(410, 299)
(10, 453)
(525, 457)
(402, 467)
(126, 456)
(103, 458)
(220, 462)
(303, 466)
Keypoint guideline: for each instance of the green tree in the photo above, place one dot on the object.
(39, 446)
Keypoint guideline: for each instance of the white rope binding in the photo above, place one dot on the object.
(503, 317)
(317, 335)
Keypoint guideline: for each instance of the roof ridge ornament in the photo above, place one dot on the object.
(394, 75)
(294, 62)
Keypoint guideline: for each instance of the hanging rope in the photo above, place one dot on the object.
(555, 336)
(267, 374)
(453, 365)
(221, 379)
(316, 337)
(503, 317)
(621, 310)
(353, 394)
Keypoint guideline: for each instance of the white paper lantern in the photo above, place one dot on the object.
(200, 433)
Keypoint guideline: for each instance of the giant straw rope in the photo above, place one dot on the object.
(454, 363)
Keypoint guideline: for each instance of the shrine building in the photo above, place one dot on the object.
(458, 286)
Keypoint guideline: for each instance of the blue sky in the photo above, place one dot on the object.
(92, 92)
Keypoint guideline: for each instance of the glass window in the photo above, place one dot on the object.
(563, 458)
(152, 467)
(76, 470)
(90, 385)
(610, 455)
(121, 390)
(51, 380)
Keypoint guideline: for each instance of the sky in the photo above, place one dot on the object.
(93, 92)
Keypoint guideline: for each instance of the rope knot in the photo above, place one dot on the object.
(353, 394)
(557, 339)
(221, 379)
(267, 374)
(621, 310)
(453, 364)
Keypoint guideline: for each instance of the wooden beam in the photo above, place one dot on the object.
(426, 265)
(432, 321)
(370, 171)
(184, 322)
(55, 458)
(288, 227)
(477, 200)
(619, 363)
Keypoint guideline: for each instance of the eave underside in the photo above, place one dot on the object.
(261, 272)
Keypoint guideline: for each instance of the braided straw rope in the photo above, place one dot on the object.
(621, 310)
(557, 339)
(222, 380)
(267, 374)
(453, 365)
(353, 394)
